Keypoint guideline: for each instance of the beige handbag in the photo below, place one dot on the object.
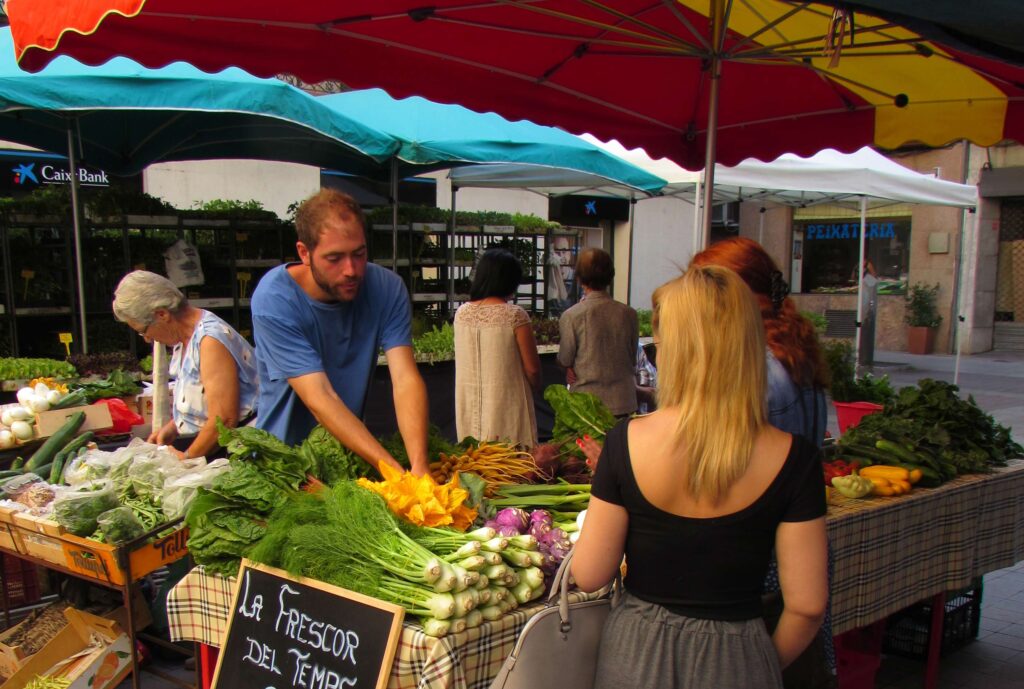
(557, 648)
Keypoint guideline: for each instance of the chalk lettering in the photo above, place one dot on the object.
(281, 610)
(301, 627)
(261, 655)
(311, 675)
(254, 611)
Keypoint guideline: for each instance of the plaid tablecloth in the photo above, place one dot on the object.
(889, 553)
(197, 610)
(893, 552)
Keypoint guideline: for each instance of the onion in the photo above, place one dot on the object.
(25, 394)
(39, 404)
(5, 417)
(20, 414)
(6, 440)
(22, 430)
(53, 397)
(41, 389)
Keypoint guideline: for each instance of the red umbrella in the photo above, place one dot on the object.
(766, 76)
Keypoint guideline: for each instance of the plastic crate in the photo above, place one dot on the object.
(908, 631)
(21, 580)
(858, 656)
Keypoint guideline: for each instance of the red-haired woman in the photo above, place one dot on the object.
(797, 373)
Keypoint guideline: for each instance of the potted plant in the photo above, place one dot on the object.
(922, 317)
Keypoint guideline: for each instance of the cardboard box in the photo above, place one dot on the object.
(70, 654)
(97, 418)
(144, 405)
(14, 655)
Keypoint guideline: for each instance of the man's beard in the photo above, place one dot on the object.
(327, 287)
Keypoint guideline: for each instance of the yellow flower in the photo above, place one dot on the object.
(422, 501)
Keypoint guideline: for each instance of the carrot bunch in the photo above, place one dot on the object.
(498, 464)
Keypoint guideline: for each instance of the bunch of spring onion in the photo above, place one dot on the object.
(504, 572)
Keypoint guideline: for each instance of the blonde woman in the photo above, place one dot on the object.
(696, 495)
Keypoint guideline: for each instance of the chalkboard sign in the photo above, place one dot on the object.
(296, 633)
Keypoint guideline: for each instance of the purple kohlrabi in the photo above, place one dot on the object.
(538, 529)
(542, 516)
(514, 517)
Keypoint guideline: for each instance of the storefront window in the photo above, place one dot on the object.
(831, 248)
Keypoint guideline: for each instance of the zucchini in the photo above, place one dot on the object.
(70, 450)
(64, 434)
(43, 471)
(898, 451)
(18, 463)
(72, 399)
(9, 473)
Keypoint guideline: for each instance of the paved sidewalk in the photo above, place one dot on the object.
(996, 659)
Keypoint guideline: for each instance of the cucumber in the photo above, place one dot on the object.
(896, 450)
(18, 463)
(64, 434)
(70, 450)
(43, 471)
(9, 473)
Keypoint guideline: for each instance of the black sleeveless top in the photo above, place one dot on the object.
(708, 568)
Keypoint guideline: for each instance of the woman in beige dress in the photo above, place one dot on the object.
(497, 367)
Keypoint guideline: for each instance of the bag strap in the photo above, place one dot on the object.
(560, 590)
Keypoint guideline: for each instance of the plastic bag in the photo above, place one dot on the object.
(181, 260)
(180, 490)
(92, 465)
(149, 471)
(76, 509)
(123, 418)
(16, 485)
(119, 525)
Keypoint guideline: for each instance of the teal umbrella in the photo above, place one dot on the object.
(435, 136)
(126, 117)
(122, 117)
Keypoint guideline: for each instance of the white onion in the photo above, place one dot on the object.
(6, 440)
(20, 414)
(53, 397)
(41, 389)
(6, 418)
(22, 430)
(39, 404)
(25, 394)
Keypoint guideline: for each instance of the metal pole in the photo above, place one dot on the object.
(710, 154)
(629, 275)
(451, 251)
(394, 215)
(760, 226)
(697, 217)
(860, 281)
(958, 305)
(75, 222)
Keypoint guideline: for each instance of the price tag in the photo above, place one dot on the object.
(28, 274)
(244, 276)
(241, 236)
(66, 340)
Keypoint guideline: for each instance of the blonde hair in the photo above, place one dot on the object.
(711, 367)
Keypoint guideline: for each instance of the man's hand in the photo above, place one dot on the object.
(410, 396)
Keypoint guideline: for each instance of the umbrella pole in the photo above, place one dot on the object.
(710, 151)
(760, 226)
(958, 324)
(76, 225)
(860, 281)
(697, 217)
(394, 216)
(451, 251)
(629, 275)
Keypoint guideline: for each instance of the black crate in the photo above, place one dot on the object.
(908, 631)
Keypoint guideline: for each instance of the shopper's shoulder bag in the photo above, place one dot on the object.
(557, 648)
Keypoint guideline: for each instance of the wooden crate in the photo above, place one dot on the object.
(102, 561)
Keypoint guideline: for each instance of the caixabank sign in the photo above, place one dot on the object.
(22, 172)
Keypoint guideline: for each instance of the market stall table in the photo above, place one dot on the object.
(198, 606)
(889, 554)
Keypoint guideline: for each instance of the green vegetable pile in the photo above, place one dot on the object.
(932, 427)
(117, 384)
(845, 386)
(577, 414)
(228, 519)
(14, 368)
(437, 344)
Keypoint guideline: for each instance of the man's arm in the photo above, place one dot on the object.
(410, 393)
(316, 392)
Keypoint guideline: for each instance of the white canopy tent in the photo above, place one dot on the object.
(864, 179)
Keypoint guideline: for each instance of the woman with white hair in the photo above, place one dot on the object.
(214, 366)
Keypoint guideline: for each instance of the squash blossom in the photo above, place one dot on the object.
(422, 501)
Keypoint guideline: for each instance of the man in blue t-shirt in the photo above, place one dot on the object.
(319, 325)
